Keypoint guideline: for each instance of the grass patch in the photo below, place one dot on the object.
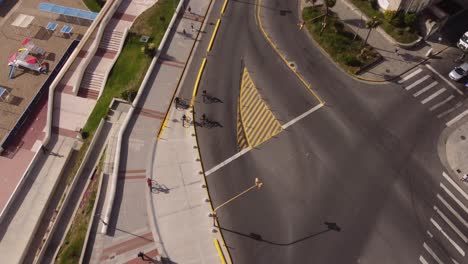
(94, 5)
(394, 24)
(339, 42)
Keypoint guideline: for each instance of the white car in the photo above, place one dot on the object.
(459, 72)
(463, 42)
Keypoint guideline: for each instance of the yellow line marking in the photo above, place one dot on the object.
(197, 82)
(258, 6)
(213, 35)
(220, 252)
(224, 7)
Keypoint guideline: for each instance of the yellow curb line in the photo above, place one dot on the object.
(197, 82)
(213, 36)
(224, 7)
(282, 56)
(220, 252)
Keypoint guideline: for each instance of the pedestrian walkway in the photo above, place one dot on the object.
(18, 229)
(174, 221)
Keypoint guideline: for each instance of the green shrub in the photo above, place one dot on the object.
(129, 94)
(350, 60)
(410, 19)
(338, 26)
(389, 15)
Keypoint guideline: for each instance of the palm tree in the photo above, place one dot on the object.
(372, 23)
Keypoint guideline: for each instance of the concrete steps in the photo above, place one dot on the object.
(91, 84)
(111, 40)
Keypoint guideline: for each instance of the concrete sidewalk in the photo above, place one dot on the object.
(18, 229)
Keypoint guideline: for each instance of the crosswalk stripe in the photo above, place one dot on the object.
(459, 104)
(434, 107)
(429, 234)
(443, 78)
(423, 260)
(432, 253)
(455, 185)
(425, 89)
(455, 245)
(454, 197)
(450, 208)
(417, 82)
(458, 117)
(434, 95)
(407, 77)
(450, 223)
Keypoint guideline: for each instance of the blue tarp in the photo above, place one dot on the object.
(67, 11)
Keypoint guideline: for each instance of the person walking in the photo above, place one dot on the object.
(177, 102)
(204, 95)
(397, 51)
(464, 178)
(190, 9)
(203, 119)
(184, 118)
(148, 181)
(141, 255)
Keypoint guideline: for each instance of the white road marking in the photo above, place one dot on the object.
(455, 185)
(454, 261)
(454, 198)
(429, 250)
(443, 78)
(457, 247)
(455, 213)
(434, 107)
(224, 163)
(315, 108)
(410, 75)
(450, 110)
(450, 223)
(423, 260)
(430, 234)
(434, 95)
(458, 117)
(417, 82)
(425, 89)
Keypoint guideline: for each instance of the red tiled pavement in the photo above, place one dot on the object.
(106, 53)
(150, 254)
(63, 88)
(88, 93)
(126, 246)
(124, 17)
(82, 53)
(150, 113)
(64, 132)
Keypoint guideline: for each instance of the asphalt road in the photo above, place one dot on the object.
(367, 161)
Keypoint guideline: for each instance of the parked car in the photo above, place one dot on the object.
(459, 72)
(463, 42)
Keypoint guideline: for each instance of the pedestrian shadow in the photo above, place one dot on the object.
(211, 124)
(211, 99)
(158, 188)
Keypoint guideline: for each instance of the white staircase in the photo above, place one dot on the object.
(111, 40)
(91, 84)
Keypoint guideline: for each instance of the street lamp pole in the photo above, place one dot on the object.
(258, 184)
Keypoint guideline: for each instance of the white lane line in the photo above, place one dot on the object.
(454, 198)
(410, 75)
(434, 95)
(455, 185)
(443, 78)
(423, 260)
(425, 89)
(450, 223)
(458, 117)
(224, 163)
(315, 108)
(432, 253)
(450, 110)
(457, 247)
(417, 82)
(434, 107)
(455, 213)
(429, 233)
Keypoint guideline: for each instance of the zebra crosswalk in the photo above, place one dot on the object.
(446, 240)
(435, 92)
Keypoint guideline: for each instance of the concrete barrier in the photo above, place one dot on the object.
(93, 48)
(115, 173)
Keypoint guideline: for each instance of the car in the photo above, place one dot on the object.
(459, 72)
(463, 42)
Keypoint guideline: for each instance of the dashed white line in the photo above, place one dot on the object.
(425, 89)
(443, 78)
(455, 245)
(315, 108)
(450, 110)
(455, 213)
(224, 163)
(417, 82)
(458, 117)
(434, 107)
(429, 234)
(450, 223)
(423, 260)
(434, 95)
(407, 77)
(455, 185)
(432, 253)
